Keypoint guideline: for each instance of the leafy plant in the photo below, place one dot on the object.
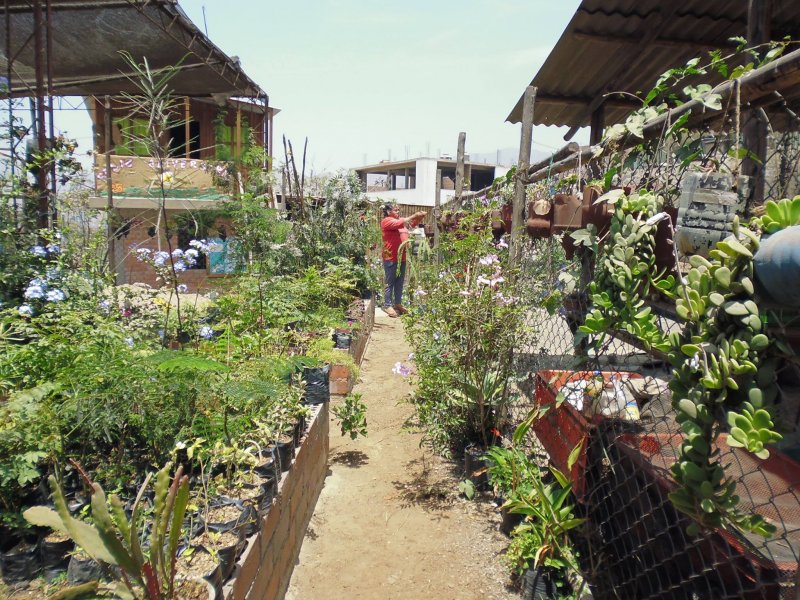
(722, 360)
(779, 215)
(352, 415)
(114, 539)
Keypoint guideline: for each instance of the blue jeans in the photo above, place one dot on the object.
(393, 282)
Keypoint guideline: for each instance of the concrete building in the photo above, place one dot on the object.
(413, 182)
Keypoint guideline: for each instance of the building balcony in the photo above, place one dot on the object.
(139, 182)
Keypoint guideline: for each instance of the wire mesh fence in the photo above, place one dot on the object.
(636, 543)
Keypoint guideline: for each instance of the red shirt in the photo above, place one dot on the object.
(394, 233)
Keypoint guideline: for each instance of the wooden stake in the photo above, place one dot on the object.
(110, 232)
(462, 139)
(437, 212)
(526, 138)
(187, 128)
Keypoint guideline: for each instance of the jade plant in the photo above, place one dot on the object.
(779, 215)
(724, 371)
(626, 272)
(114, 539)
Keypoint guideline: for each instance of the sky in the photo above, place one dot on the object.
(367, 81)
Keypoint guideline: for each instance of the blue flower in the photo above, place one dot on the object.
(34, 292)
(183, 288)
(105, 306)
(206, 332)
(38, 251)
(55, 295)
(160, 258)
(180, 266)
(53, 248)
(129, 342)
(25, 310)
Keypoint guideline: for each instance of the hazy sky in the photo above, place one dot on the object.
(363, 79)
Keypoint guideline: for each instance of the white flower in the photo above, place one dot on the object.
(25, 310)
(183, 288)
(502, 244)
(180, 266)
(55, 295)
(191, 253)
(489, 259)
(53, 248)
(177, 253)
(206, 332)
(38, 251)
(420, 293)
(105, 306)
(129, 342)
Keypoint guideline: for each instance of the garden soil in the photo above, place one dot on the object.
(390, 522)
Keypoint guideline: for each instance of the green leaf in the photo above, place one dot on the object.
(574, 454)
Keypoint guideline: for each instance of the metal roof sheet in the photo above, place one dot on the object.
(88, 35)
(601, 50)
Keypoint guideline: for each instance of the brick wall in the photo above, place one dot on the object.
(141, 224)
(265, 568)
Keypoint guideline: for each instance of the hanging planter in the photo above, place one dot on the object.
(540, 219)
(567, 212)
(598, 215)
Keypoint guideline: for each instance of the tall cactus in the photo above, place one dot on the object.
(113, 539)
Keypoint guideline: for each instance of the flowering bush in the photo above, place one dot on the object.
(466, 321)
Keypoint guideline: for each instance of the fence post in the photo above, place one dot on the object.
(462, 138)
(526, 138)
(437, 212)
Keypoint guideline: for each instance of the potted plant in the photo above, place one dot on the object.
(541, 542)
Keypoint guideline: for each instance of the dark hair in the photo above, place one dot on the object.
(387, 208)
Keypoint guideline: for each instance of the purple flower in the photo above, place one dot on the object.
(489, 259)
(502, 244)
(105, 306)
(206, 332)
(401, 369)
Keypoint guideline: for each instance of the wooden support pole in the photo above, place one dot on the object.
(462, 139)
(437, 212)
(526, 138)
(187, 116)
(596, 135)
(755, 132)
(239, 133)
(110, 220)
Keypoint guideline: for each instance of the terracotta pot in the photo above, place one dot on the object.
(507, 215)
(598, 215)
(567, 212)
(538, 227)
(665, 257)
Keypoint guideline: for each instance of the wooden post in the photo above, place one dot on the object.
(186, 126)
(526, 138)
(239, 133)
(756, 129)
(462, 139)
(437, 212)
(110, 232)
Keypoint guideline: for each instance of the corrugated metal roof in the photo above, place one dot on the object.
(601, 51)
(87, 38)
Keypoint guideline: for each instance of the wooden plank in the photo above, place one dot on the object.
(526, 138)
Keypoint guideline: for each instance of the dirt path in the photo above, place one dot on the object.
(389, 523)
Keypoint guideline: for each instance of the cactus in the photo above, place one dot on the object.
(114, 539)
